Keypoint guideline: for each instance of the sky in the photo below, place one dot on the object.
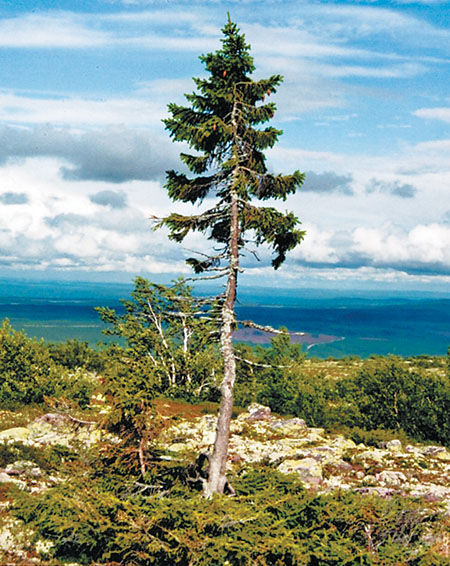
(364, 108)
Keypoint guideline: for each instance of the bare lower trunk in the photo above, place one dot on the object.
(217, 469)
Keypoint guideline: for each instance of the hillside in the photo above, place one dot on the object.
(331, 462)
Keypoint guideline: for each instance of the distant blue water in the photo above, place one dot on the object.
(370, 322)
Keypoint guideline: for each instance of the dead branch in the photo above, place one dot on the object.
(251, 324)
(268, 366)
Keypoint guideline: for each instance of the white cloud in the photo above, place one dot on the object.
(422, 248)
(59, 228)
(399, 71)
(294, 42)
(327, 182)
(79, 111)
(317, 247)
(361, 22)
(49, 30)
(403, 190)
(49, 221)
(442, 114)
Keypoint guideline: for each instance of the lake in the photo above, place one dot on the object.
(337, 323)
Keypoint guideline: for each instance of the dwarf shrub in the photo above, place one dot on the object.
(27, 372)
(387, 394)
(271, 521)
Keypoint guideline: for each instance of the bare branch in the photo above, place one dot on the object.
(207, 277)
(251, 324)
(268, 366)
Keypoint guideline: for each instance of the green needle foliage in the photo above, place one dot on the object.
(272, 521)
(229, 165)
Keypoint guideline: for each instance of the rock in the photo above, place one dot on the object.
(14, 539)
(391, 478)
(432, 450)
(23, 467)
(177, 447)
(290, 427)
(45, 433)
(258, 412)
(43, 547)
(343, 444)
(316, 434)
(324, 455)
(336, 483)
(342, 466)
(394, 445)
(444, 455)
(308, 469)
(431, 492)
(376, 455)
(4, 477)
(17, 433)
(295, 422)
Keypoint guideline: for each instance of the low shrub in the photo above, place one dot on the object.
(387, 394)
(74, 354)
(272, 520)
(27, 371)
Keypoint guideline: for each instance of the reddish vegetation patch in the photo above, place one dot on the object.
(170, 408)
(4, 492)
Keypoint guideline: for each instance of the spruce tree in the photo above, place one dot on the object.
(229, 165)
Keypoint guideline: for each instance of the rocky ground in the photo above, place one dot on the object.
(324, 462)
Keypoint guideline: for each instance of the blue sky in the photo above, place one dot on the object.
(364, 106)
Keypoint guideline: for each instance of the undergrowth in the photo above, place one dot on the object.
(272, 520)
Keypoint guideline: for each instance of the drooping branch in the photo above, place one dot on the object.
(266, 328)
(258, 364)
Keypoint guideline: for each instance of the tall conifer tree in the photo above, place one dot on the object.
(229, 165)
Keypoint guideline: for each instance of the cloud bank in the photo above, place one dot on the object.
(115, 154)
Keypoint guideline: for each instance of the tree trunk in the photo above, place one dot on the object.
(217, 469)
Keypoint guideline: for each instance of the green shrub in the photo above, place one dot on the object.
(74, 354)
(79, 520)
(166, 339)
(27, 372)
(76, 387)
(272, 520)
(386, 393)
(48, 458)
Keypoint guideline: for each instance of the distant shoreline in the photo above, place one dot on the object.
(402, 325)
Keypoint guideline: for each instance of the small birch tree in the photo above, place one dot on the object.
(229, 165)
